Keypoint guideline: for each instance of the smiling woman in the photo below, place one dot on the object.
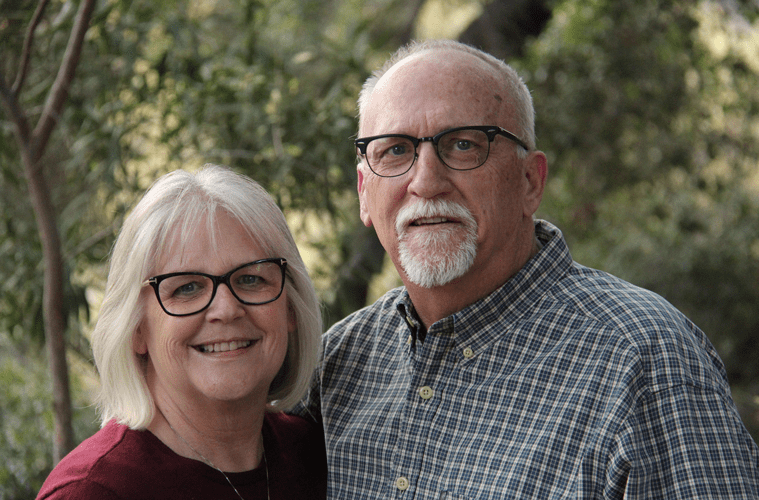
(209, 328)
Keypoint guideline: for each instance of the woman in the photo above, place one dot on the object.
(209, 329)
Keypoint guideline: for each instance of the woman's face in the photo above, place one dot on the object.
(230, 352)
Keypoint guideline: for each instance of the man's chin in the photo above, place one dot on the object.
(435, 243)
(436, 268)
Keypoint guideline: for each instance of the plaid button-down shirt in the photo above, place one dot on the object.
(564, 383)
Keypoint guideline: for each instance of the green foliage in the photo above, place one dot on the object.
(26, 421)
(235, 87)
(649, 114)
(268, 88)
(81, 165)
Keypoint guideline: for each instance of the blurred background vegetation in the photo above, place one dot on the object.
(647, 109)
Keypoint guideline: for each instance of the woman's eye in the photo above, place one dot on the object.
(188, 289)
(249, 281)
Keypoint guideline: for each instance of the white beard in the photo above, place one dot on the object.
(435, 257)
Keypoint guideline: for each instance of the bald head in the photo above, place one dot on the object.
(447, 58)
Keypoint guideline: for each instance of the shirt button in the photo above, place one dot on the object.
(402, 483)
(409, 340)
(426, 392)
(468, 353)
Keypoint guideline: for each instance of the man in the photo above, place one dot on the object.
(503, 369)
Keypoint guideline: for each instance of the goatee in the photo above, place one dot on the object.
(442, 253)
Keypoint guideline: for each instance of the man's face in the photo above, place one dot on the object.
(485, 228)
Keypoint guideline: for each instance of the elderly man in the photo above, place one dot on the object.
(503, 369)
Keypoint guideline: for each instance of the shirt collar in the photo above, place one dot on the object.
(506, 303)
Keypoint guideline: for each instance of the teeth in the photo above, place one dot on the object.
(431, 220)
(223, 346)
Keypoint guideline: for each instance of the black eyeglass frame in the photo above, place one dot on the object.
(155, 282)
(490, 130)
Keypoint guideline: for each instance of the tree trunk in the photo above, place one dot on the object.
(52, 306)
(505, 26)
(32, 145)
(364, 259)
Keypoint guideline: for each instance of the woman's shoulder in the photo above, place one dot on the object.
(72, 477)
(295, 452)
(290, 426)
(292, 432)
(104, 465)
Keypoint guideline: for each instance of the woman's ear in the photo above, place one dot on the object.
(139, 343)
(292, 321)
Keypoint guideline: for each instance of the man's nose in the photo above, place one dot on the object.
(429, 175)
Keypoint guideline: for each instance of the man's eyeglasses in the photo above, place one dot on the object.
(461, 148)
(187, 293)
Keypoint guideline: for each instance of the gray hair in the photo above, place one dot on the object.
(175, 205)
(512, 82)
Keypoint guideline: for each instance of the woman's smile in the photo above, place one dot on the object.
(223, 346)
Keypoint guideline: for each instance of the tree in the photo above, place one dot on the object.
(133, 104)
(32, 143)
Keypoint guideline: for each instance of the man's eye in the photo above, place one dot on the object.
(398, 150)
(463, 145)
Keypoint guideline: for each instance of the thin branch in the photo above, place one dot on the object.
(59, 91)
(26, 53)
(94, 239)
(15, 113)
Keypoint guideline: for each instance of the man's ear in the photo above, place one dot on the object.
(536, 173)
(362, 197)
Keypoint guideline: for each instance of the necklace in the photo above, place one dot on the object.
(210, 464)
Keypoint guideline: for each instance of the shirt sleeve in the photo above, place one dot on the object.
(686, 442)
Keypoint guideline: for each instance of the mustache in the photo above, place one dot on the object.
(429, 208)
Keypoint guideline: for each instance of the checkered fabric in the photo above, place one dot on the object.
(564, 383)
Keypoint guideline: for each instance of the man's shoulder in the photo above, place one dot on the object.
(614, 301)
(359, 333)
(377, 314)
(668, 345)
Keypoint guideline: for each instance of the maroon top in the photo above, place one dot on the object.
(124, 464)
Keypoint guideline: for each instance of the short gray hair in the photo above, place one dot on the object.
(511, 80)
(175, 205)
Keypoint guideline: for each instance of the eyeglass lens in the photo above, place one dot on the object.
(459, 149)
(257, 283)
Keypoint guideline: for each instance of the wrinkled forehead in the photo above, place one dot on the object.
(437, 82)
